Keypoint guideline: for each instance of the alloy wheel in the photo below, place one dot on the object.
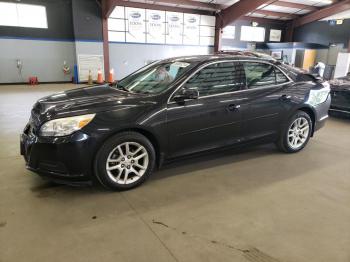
(127, 163)
(298, 133)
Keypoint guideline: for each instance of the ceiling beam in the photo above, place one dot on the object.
(111, 4)
(108, 7)
(295, 5)
(276, 14)
(189, 3)
(262, 20)
(336, 8)
(240, 9)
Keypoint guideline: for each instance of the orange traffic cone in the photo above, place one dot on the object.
(99, 77)
(111, 76)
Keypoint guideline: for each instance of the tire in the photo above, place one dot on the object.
(116, 169)
(293, 131)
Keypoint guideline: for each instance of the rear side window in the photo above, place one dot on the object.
(218, 78)
(261, 74)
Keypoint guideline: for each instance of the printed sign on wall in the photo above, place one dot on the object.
(275, 35)
(174, 28)
(89, 63)
(155, 26)
(136, 25)
(191, 29)
(229, 32)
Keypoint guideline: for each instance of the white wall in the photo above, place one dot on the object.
(43, 59)
(126, 58)
(88, 48)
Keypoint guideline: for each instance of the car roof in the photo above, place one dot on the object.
(232, 55)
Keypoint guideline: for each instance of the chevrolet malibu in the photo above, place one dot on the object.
(118, 134)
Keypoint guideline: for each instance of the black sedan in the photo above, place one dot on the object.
(120, 133)
(340, 92)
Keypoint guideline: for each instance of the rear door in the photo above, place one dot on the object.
(214, 119)
(265, 88)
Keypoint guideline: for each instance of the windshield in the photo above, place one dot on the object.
(153, 79)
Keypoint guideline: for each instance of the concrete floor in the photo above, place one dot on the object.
(251, 205)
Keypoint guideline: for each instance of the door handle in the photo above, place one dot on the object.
(285, 98)
(233, 107)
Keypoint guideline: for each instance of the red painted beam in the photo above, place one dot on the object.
(338, 7)
(105, 39)
(218, 34)
(114, 3)
(289, 31)
(240, 9)
(108, 7)
(295, 5)
(262, 20)
(276, 14)
(189, 4)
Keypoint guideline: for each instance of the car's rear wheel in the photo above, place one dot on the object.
(295, 136)
(125, 161)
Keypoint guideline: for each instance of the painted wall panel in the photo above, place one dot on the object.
(43, 59)
(323, 33)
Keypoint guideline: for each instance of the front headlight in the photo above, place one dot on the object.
(65, 126)
(318, 96)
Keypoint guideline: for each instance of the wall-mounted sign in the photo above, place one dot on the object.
(89, 63)
(229, 32)
(277, 54)
(191, 29)
(275, 35)
(136, 25)
(155, 26)
(174, 28)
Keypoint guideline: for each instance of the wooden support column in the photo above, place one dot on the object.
(105, 39)
(218, 33)
(290, 32)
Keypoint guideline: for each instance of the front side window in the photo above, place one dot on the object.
(155, 78)
(218, 78)
(280, 77)
(261, 74)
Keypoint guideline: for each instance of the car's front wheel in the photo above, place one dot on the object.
(296, 134)
(125, 161)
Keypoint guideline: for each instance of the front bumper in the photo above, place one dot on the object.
(62, 159)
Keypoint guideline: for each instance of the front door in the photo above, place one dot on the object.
(214, 118)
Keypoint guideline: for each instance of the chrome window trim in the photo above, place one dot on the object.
(226, 93)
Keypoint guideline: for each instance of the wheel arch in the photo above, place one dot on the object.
(312, 115)
(146, 133)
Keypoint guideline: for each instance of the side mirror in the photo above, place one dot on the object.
(186, 94)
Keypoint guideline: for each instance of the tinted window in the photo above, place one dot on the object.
(280, 77)
(259, 74)
(218, 78)
(154, 78)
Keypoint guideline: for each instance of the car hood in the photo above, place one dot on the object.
(87, 100)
